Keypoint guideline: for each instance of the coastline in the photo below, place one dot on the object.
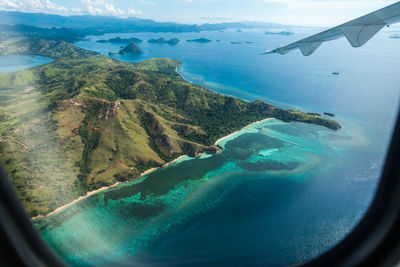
(177, 71)
(93, 192)
(232, 134)
(173, 161)
(148, 171)
(89, 194)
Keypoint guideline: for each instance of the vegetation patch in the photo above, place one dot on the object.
(85, 121)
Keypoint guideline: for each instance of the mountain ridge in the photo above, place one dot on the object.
(44, 20)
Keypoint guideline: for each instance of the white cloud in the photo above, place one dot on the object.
(134, 12)
(92, 7)
(101, 7)
(8, 5)
(218, 17)
(32, 6)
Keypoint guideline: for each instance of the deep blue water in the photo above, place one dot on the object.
(21, 62)
(262, 201)
(367, 87)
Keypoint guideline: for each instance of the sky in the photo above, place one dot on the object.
(291, 12)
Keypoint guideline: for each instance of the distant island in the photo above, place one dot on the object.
(200, 40)
(395, 36)
(132, 49)
(280, 33)
(236, 43)
(329, 114)
(162, 40)
(119, 40)
(76, 28)
(239, 30)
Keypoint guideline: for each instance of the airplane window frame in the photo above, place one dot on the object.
(375, 241)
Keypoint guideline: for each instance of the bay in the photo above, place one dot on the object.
(21, 62)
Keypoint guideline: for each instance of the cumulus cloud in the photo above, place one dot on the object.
(8, 5)
(32, 6)
(101, 7)
(92, 7)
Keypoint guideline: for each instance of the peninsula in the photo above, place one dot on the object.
(89, 121)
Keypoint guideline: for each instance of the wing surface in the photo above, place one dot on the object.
(357, 31)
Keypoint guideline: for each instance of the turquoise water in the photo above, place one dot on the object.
(281, 189)
(279, 193)
(21, 62)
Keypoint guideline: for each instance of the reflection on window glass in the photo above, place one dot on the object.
(129, 139)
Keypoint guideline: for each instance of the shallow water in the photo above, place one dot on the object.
(279, 193)
(293, 202)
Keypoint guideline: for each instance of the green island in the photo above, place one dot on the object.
(200, 40)
(119, 40)
(161, 40)
(286, 33)
(86, 121)
(132, 49)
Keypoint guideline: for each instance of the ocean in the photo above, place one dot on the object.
(279, 193)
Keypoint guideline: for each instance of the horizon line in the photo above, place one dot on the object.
(158, 21)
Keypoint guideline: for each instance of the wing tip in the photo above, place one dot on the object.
(267, 52)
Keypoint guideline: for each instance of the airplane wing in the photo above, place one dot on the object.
(357, 32)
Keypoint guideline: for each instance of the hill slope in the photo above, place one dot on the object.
(80, 123)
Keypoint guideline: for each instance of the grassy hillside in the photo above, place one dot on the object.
(46, 48)
(84, 121)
